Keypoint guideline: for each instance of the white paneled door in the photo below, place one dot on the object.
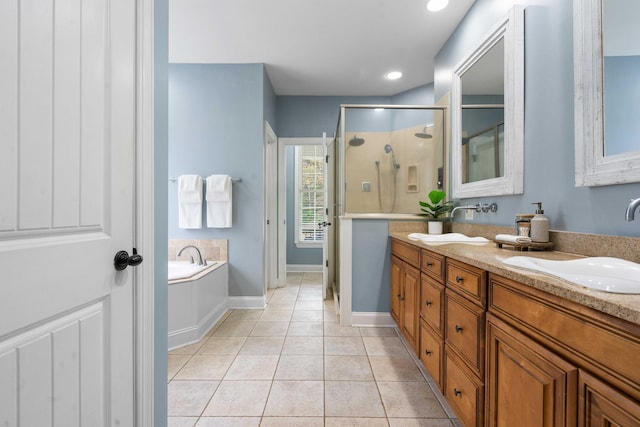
(67, 188)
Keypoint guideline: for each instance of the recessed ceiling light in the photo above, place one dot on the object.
(393, 75)
(436, 5)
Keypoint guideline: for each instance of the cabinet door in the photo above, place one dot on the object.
(601, 405)
(464, 392)
(410, 305)
(527, 385)
(431, 353)
(465, 330)
(431, 303)
(396, 288)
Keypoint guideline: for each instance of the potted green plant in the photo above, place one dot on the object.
(436, 209)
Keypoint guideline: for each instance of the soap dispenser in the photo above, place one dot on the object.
(539, 225)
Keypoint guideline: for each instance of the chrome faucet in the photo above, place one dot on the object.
(476, 208)
(630, 215)
(200, 261)
(480, 207)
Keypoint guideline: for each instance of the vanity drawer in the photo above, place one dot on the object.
(432, 303)
(433, 264)
(406, 252)
(469, 281)
(431, 353)
(463, 392)
(465, 330)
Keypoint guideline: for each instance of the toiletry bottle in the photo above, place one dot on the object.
(539, 225)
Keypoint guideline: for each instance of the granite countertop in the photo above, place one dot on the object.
(488, 257)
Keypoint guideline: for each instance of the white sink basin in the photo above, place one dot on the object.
(606, 274)
(446, 238)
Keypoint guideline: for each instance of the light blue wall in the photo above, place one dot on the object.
(403, 119)
(309, 116)
(621, 102)
(216, 115)
(371, 266)
(160, 138)
(549, 136)
(295, 255)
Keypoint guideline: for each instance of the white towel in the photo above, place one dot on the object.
(219, 201)
(512, 238)
(190, 201)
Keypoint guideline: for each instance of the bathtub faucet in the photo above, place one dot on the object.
(200, 261)
(631, 209)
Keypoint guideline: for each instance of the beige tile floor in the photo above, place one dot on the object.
(292, 364)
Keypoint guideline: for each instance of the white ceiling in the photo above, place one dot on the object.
(317, 47)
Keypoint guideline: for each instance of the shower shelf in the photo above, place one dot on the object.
(412, 179)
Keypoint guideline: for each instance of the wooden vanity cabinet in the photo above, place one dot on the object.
(567, 363)
(405, 290)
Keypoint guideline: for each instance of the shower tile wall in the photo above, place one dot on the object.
(424, 154)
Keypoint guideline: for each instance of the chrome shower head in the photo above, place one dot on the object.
(355, 141)
(388, 149)
(424, 134)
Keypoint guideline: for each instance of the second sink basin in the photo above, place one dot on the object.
(606, 274)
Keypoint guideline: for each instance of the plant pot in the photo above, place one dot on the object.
(435, 227)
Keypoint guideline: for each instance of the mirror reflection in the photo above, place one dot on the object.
(621, 70)
(483, 150)
(483, 117)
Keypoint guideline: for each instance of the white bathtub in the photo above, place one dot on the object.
(186, 270)
(198, 298)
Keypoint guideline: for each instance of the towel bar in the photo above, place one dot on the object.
(172, 179)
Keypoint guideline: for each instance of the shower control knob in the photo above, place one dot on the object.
(122, 259)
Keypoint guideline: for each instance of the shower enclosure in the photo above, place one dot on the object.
(387, 158)
(390, 157)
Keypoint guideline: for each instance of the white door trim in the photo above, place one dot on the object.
(282, 191)
(144, 224)
(274, 273)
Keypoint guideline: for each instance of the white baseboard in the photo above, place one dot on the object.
(304, 268)
(247, 302)
(365, 319)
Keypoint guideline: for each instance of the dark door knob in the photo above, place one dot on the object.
(122, 259)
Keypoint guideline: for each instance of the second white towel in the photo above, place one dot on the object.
(219, 201)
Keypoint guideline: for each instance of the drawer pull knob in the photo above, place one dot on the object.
(457, 392)
(398, 295)
(429, 264)
(427, 303)
(458, 329)
(459, 279)
(401, 299)
(427, 352)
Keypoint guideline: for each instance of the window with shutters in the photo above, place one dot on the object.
(309, 191)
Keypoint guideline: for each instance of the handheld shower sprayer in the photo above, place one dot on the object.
(388, 149)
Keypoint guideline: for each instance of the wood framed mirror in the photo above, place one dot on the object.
(487, 113)
(607, 91)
